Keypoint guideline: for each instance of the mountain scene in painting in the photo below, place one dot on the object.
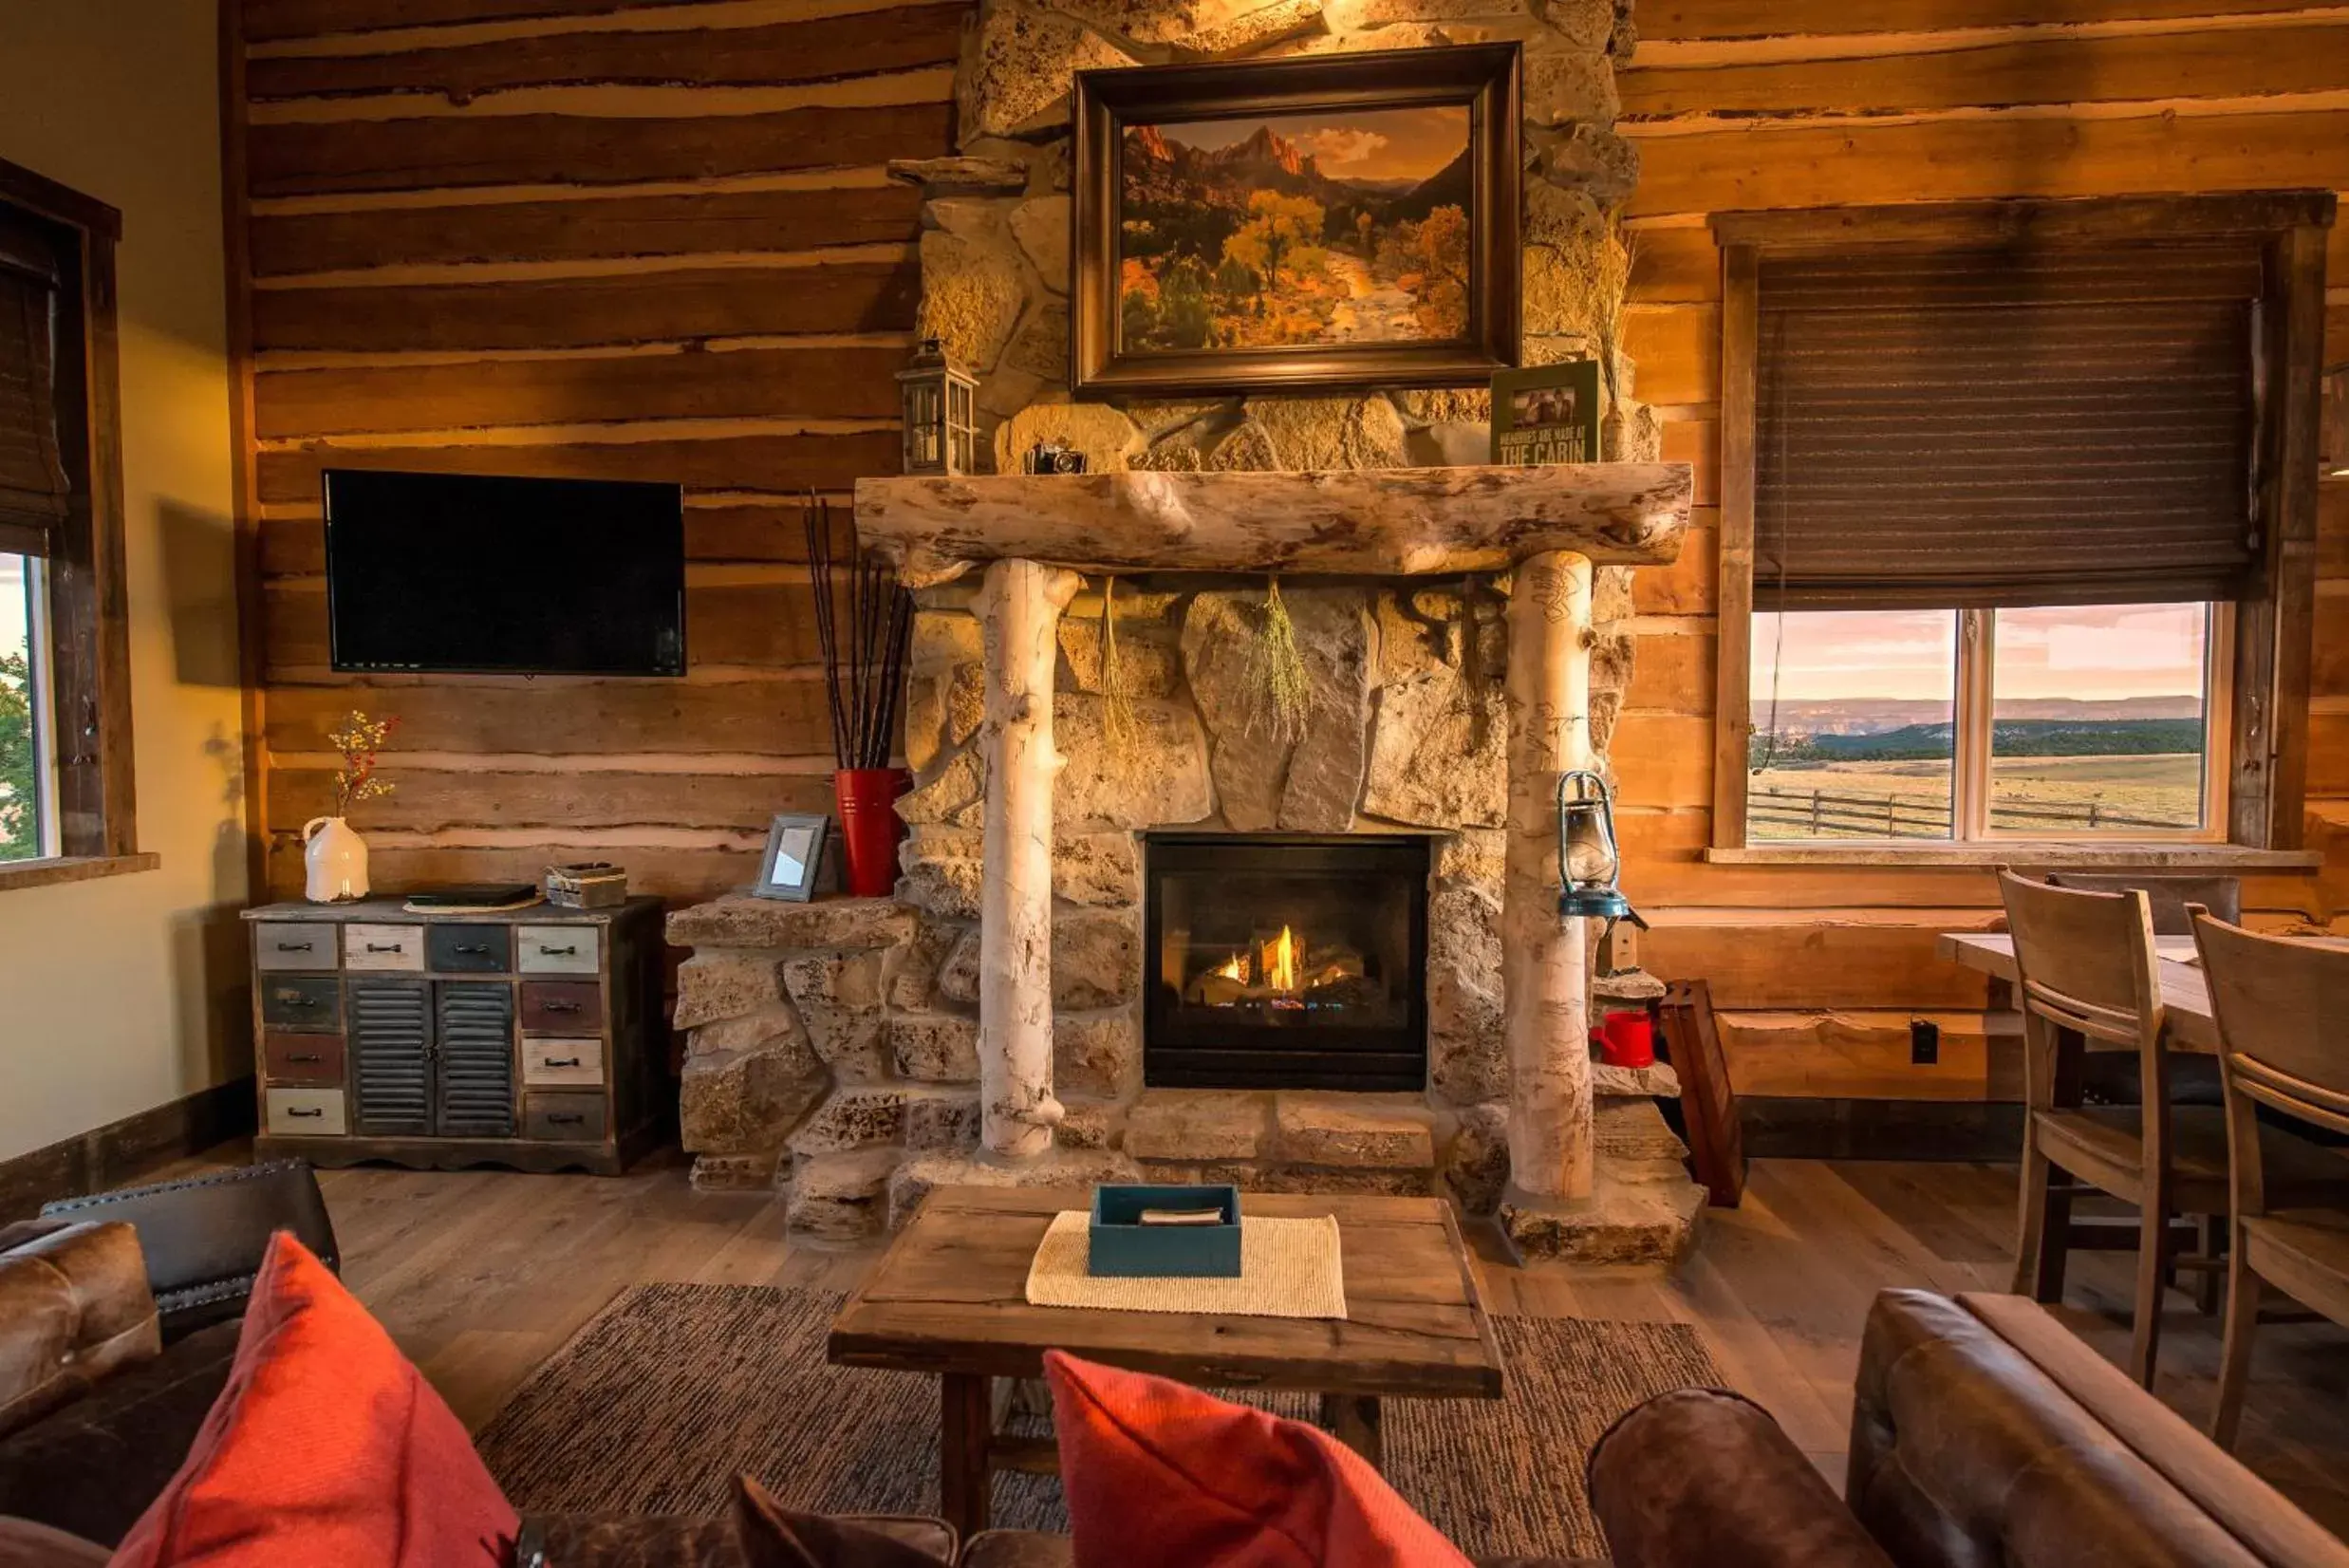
(1296, 230)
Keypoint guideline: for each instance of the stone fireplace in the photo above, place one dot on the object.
(1463, 634)
(1270, 962)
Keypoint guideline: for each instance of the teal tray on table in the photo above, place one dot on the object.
(1123, 1247)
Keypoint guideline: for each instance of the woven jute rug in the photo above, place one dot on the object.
(653, 1407)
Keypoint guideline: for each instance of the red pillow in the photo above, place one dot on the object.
(325, 1446)
(1160, 1475)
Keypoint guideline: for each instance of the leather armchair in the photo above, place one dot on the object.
(74, 1308)
(204, 1236)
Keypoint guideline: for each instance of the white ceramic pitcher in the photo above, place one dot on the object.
(336, 857)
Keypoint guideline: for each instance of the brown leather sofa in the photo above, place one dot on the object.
(1984, 1434)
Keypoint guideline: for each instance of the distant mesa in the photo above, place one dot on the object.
(1878, 716)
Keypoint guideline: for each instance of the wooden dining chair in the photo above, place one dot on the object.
(2110, 1077)
(2171, 895)
(2085, 964)
(2282, 1014)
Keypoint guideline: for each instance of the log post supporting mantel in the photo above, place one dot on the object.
(1544, 975)
(1018, 609)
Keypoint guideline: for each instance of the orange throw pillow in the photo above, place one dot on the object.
(325, 1446)
(1160, 1475)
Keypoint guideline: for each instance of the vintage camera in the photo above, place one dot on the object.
(1054, 457)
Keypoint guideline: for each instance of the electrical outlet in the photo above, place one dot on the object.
(1924, 1043)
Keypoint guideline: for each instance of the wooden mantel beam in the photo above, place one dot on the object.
(1387, 522)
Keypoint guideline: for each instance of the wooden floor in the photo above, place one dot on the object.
(481, 1274)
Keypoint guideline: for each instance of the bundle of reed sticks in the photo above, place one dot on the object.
(864, 670)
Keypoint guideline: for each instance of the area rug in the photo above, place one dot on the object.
(654, 1406)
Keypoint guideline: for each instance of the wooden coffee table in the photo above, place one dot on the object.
(950, 1297)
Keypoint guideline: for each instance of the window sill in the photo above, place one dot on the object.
(2026, 856)
(40, 873)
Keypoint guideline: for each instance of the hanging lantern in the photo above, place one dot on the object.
(936, 401)
(1587, 860)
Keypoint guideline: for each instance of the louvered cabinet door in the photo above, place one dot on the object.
(390, 1045)
(474, 1097)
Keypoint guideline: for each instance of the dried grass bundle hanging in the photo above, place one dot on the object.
(1618, 253)
(1277, 670)
(1599, 264)
(1120, 728)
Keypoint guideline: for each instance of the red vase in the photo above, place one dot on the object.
(870, 830)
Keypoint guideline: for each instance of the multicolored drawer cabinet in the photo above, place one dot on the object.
(534, 1039)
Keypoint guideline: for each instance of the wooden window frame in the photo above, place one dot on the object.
(2269, 679)
(88, 664)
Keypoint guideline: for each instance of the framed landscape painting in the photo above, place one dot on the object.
(1277, 226)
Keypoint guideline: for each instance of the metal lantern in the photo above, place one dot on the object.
(1586, 822)
(937, 400)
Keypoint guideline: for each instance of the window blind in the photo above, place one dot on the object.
(34, 493)
(1987, 427)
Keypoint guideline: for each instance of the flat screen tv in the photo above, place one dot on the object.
(462, 574)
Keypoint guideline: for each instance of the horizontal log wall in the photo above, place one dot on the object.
(1762, 104)
(588, 236)
(611, 239)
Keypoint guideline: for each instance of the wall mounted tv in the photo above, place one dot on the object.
(462, 574)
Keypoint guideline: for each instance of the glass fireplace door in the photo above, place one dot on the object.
(1286, 963)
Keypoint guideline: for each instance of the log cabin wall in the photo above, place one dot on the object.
(576, 237)
(583, 237)
(1780, 104)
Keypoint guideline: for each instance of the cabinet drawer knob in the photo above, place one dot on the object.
(561, 1006)
(295, 946)
(481, 947)
(293, 999)
(304, 1057)
(564, 1118)
(383, 948)
(297, 1110)
(563, 1061)
(558, 952)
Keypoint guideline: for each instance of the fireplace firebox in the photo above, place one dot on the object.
(1285, 962)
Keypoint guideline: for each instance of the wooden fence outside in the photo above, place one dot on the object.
(1826, 814)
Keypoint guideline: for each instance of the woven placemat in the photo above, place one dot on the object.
(1288, 1268)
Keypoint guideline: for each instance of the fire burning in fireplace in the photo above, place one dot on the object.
(1283, 970)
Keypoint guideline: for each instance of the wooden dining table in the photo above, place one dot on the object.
(2184, 993)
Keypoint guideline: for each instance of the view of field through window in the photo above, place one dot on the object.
(2096, 724)
(20, 754)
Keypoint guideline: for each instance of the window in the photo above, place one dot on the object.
(2017, 502)
(28, 815)
(2092, 723)
(66, 787)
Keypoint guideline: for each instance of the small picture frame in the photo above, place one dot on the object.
(792, 866)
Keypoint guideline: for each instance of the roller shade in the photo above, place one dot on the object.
(2008, 426)
(33, 489)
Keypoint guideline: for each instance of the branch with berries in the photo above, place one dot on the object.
(359, 741)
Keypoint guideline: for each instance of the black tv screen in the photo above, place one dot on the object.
(503, 576)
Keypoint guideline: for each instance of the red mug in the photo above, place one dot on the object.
(1626, 1039)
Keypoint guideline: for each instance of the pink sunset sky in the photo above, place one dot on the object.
(2088, 652)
